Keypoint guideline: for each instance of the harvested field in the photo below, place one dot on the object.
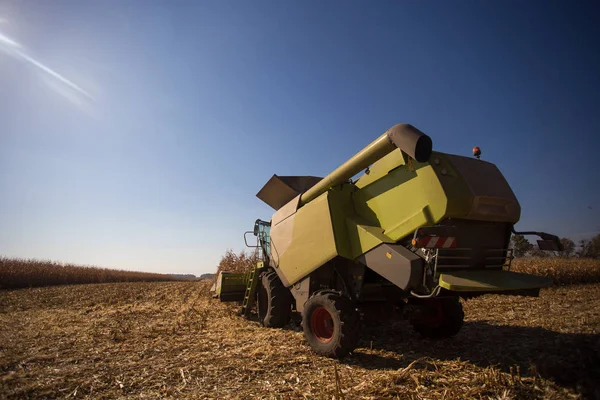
(153, 340)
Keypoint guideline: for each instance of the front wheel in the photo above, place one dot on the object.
(274, 301)
(331, 324)
(439, 318)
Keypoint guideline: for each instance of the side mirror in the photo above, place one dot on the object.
(246, 239)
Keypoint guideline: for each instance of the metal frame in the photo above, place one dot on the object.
(246, 240)
(552, 240)
(508, 257)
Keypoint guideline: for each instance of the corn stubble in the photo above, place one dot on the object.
(171, 340)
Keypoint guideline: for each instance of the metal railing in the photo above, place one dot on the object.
(468, 258)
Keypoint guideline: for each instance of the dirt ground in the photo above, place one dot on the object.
(171, 340)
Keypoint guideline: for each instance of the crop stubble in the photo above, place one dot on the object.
(150, 340)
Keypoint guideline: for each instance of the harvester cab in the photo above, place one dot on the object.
(263, 240)
(416, 232)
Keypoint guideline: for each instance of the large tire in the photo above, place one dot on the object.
(274, 301)
(441, 318)
(331, 324)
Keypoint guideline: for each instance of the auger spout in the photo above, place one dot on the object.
(405, 137)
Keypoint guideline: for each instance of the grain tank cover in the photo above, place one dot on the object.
(279, 190)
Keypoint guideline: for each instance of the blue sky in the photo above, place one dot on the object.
(136, 134)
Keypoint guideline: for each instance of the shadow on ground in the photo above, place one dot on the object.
(568, 359)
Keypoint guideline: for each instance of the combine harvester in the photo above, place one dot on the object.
(416, 232)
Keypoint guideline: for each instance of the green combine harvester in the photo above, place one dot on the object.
(418, 230)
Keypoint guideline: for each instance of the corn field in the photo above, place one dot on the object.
(18, 273)
(563, 271)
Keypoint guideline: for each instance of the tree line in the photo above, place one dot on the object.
(586, 248)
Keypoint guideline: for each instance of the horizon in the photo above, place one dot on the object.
(136, 135)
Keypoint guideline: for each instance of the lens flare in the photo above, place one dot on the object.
(13, 48)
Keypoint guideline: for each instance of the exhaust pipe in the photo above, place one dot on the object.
(405, 137)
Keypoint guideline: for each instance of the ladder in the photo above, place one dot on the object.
(251, 285)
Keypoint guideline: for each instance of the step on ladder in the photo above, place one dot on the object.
(251, 285)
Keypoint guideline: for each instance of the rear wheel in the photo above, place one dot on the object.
(439, 318)
(274, 301)
(331, 324)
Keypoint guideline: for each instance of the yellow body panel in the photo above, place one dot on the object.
(402, 199)
(396, 196)
(490, 281)
(309, 240)
(354, 235)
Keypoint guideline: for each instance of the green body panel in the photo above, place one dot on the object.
(230, 286)
(304, 240)
(354, 235)
(385, 205)
(321, 230)
(490, 281)
(401, 199)
(401, 196)
(393, 198)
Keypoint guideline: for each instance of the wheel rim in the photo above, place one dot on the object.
(321, 325)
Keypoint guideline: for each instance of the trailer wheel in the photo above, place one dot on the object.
(274, 301)
(331, 324)
(441, 318)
